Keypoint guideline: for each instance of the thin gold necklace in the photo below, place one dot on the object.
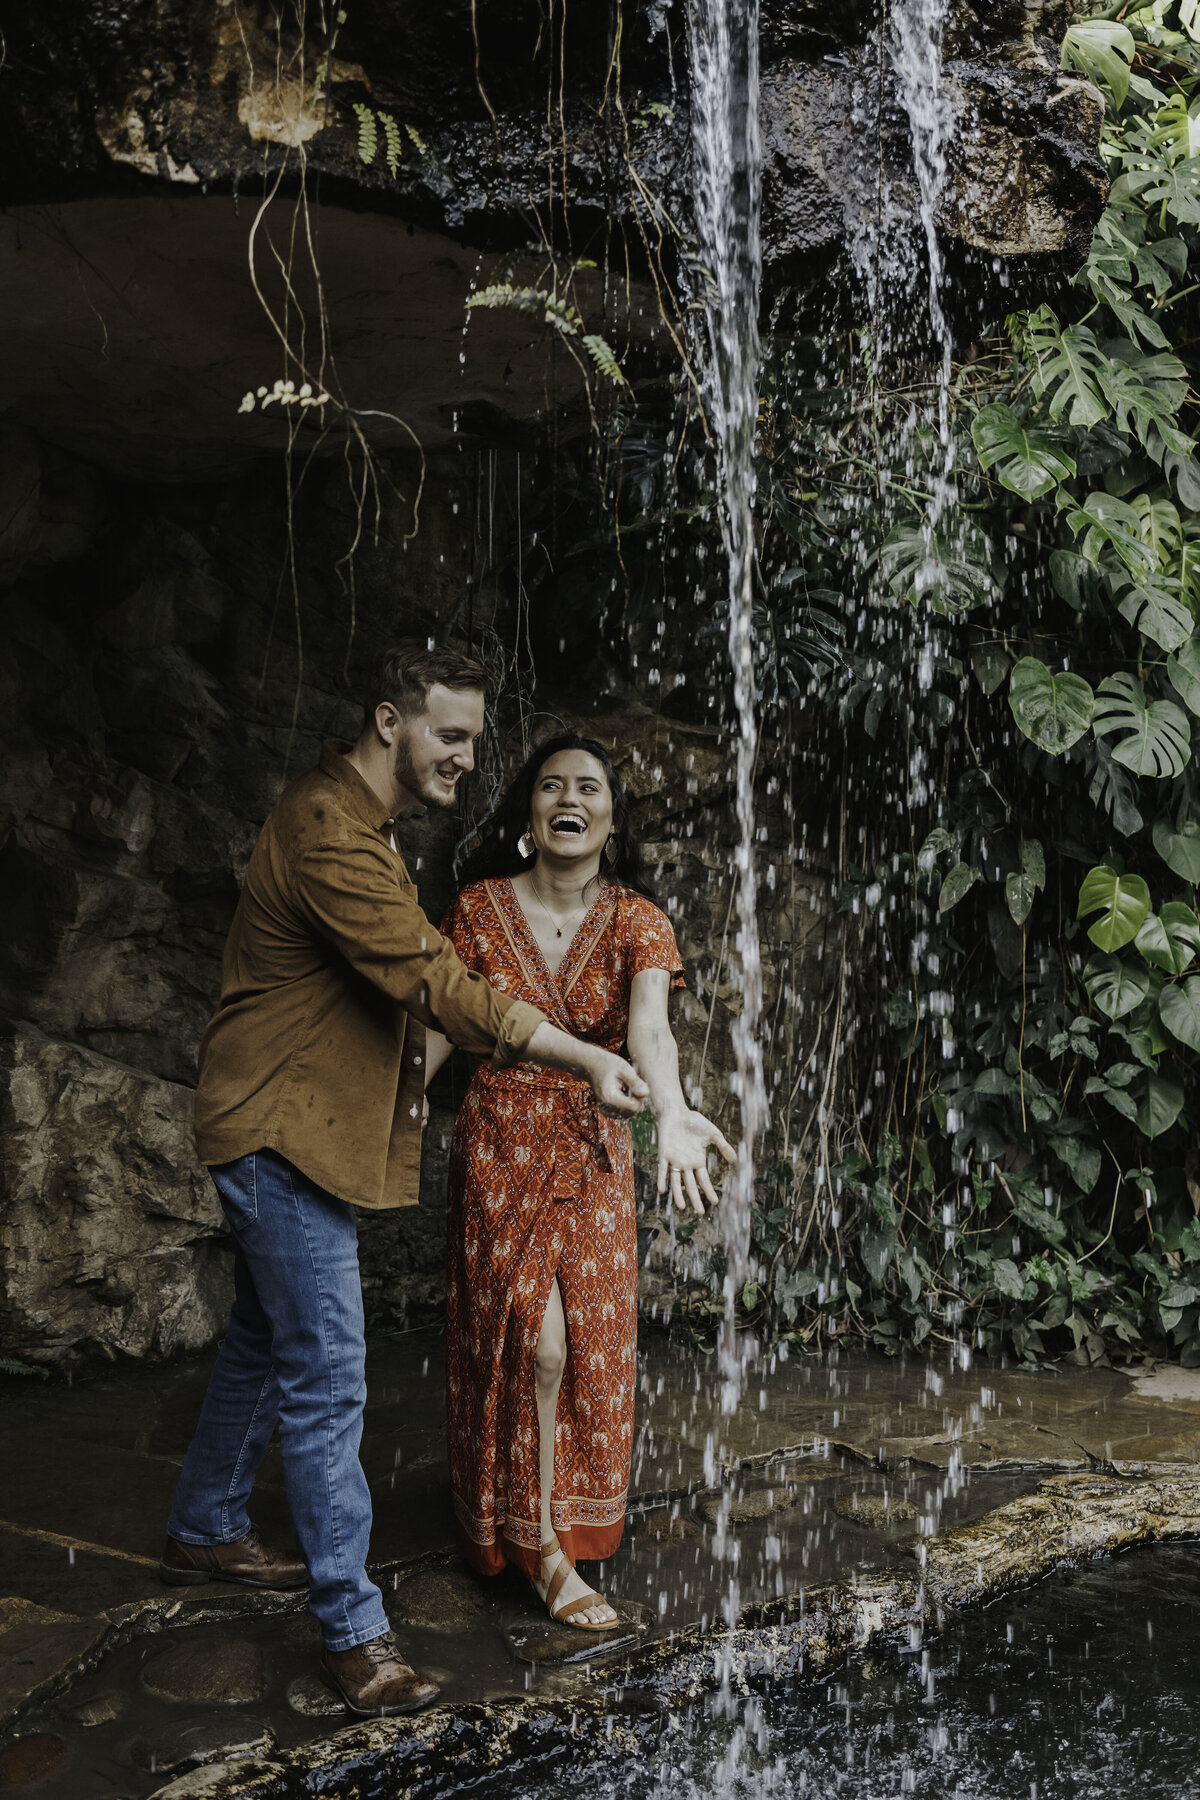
(558, 930)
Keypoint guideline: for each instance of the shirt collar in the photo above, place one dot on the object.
(335, 754)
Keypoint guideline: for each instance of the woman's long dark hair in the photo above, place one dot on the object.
(497, 852)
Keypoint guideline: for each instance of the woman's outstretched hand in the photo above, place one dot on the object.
(684, 1141)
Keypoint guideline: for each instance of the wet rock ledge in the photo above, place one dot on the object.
(1068, 1519)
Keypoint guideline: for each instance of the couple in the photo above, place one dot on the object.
(338, 1001)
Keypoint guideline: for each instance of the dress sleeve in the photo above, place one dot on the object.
(651, 941)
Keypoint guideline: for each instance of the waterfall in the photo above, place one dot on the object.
(916, 28)
(727, 163)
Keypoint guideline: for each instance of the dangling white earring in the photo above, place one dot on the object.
(525, 844)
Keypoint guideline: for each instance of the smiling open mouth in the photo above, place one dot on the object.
(566, 826)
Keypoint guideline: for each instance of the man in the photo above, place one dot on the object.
(309, 1104)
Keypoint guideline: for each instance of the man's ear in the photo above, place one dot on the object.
(387, 721)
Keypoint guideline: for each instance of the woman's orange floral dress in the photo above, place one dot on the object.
(541, 1187)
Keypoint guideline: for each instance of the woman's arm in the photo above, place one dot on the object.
(684, 1137)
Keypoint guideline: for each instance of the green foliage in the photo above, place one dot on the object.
(374, 126)
(12, 1365)
(1027, 975)
(554, 310)
(368, 132)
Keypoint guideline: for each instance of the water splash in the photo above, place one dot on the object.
(727, 175)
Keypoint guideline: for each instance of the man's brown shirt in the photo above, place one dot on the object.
(331, 974)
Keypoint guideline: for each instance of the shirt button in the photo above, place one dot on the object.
(416, 1062)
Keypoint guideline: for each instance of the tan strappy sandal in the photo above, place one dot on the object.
(565, 1615)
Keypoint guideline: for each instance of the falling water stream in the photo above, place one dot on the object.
(916, 28)
(727, 183)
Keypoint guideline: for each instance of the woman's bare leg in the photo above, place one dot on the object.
(551, 1360)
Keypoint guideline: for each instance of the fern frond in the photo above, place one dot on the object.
(418, 141)
(562, 315)
(604, 358)
(526, 300)
(393, 148)
(12, 1365)
(368, 132)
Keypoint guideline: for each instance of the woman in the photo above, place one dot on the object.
(542, 1279)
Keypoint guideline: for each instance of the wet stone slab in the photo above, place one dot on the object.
(232, 1673)
(874, 1512)
(99, 1709)
(745, 1505)
(439, 1600)
(543, 1640)
(28, 1762)
(312, 1698)
(170, 1750)
(40, 1649)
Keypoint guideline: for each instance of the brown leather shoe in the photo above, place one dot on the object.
(248, 1562)
(375, 1681)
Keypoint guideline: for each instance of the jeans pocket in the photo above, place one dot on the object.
(236, 1183)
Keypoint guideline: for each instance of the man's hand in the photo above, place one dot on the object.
(684, 1141)
(619, 1089)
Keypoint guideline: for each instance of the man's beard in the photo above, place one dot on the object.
(423, 789)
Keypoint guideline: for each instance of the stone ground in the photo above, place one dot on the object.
(830, 1469)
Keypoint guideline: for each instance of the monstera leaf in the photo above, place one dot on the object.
(1123, 902)
(1170, 939)
(1103, 51)
(961, 878)
(953, 571)
(1161, 1105)
(1114, 986)
(1028, 462)
(1179, 1010)
(1053, 710)
(1184, 670)
(1155, 606)
(1106, 521)
(1180, 850)
(1154, 740)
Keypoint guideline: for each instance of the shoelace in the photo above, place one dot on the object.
(380, 1649)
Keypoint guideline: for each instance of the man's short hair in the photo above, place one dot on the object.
(404, 673)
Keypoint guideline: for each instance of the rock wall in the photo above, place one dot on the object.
(155, 698)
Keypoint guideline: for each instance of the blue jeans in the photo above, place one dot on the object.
(294, 1355)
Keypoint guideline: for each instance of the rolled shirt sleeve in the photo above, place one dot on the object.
(350, 895)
